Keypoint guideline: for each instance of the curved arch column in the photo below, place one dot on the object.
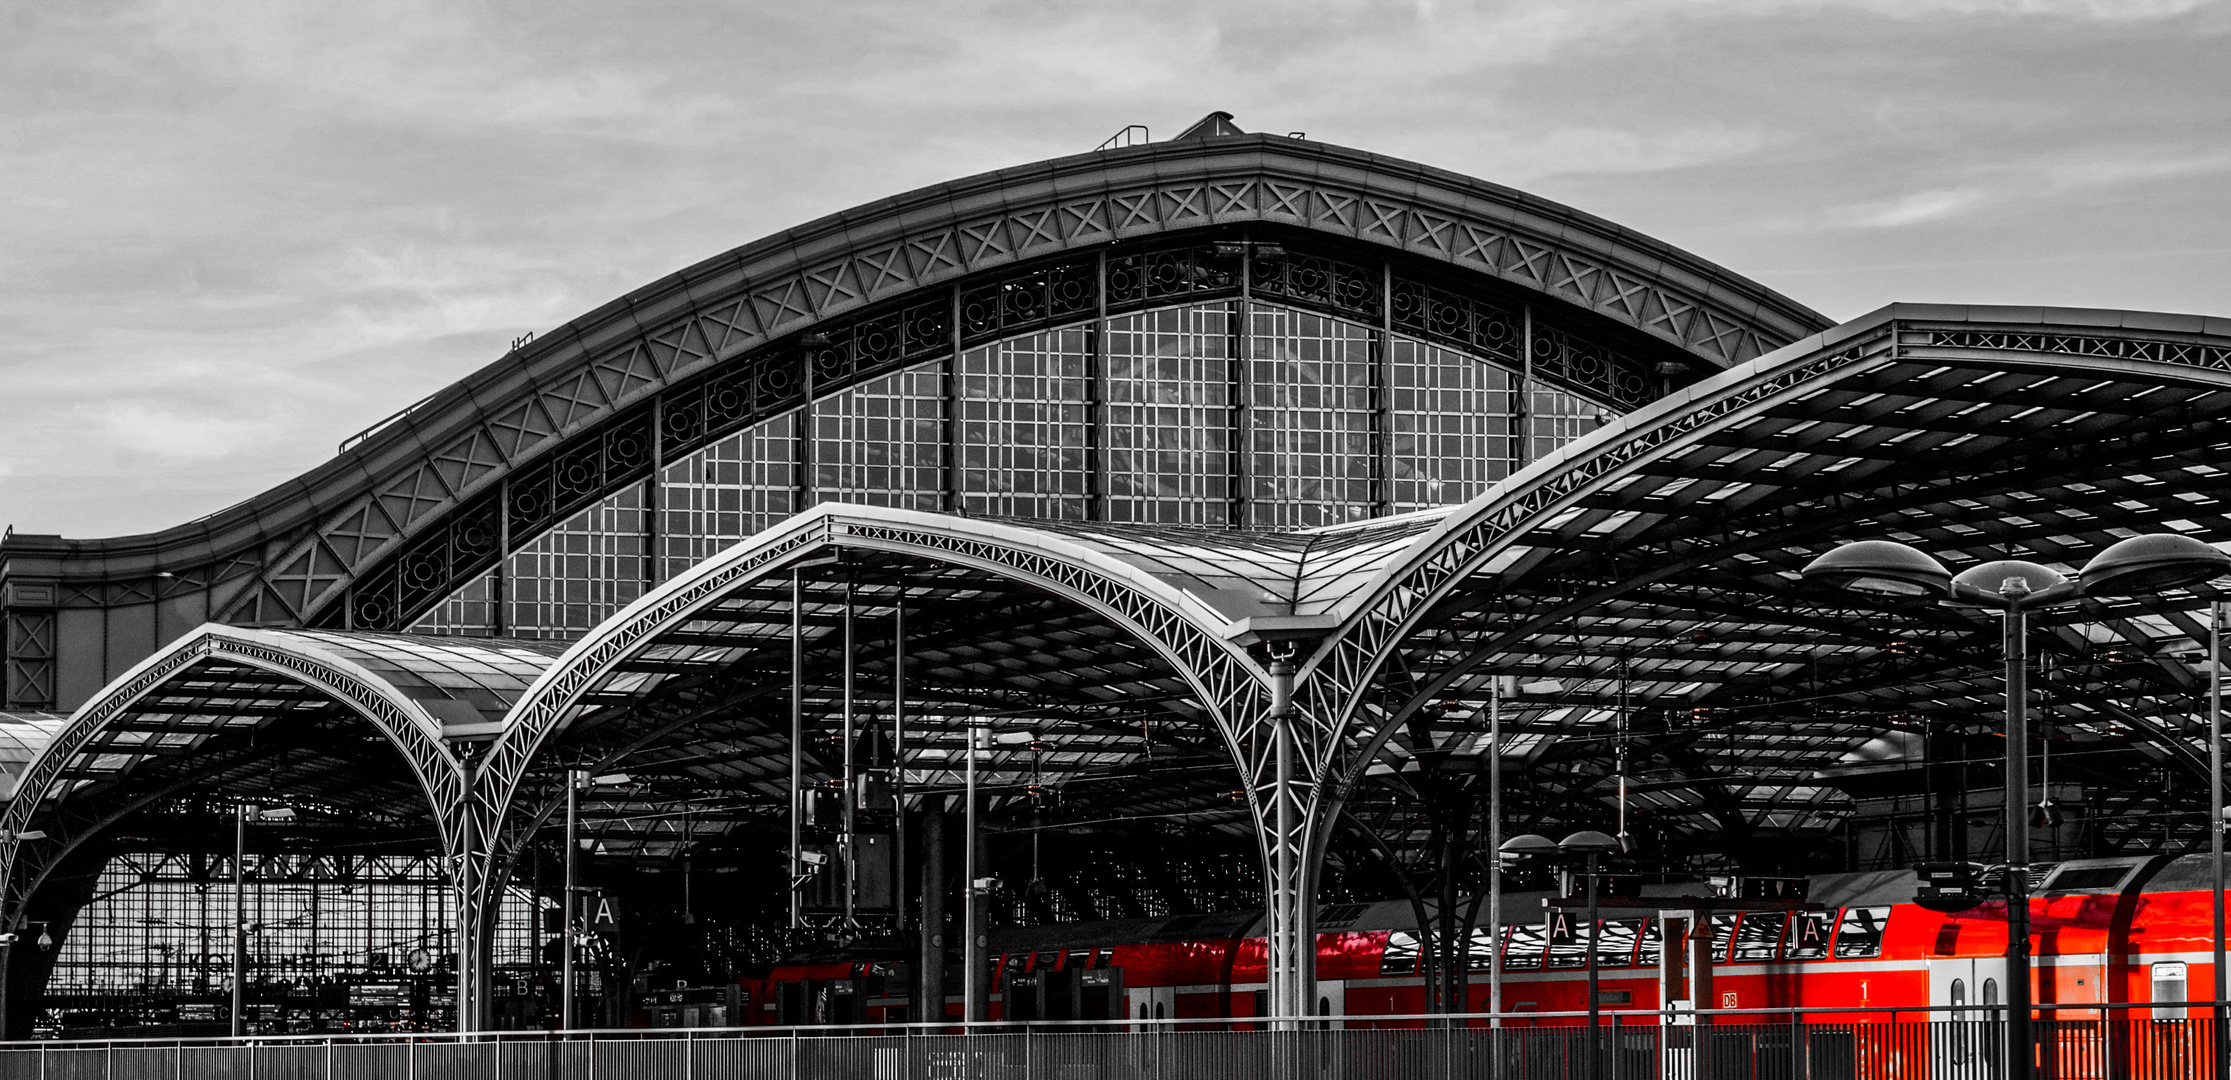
(1275, 754)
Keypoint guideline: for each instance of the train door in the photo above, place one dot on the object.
(1332, 1001)
(1965, 994)
(1153, 1003)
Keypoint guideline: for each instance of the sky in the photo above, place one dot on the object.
(233, 233)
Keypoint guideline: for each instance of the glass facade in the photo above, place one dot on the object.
(1310, 418)
(1170, 416)
(733, 488)
(1451, 425)
(573, 577)
(471, 610)
(1185, 415)
(1025, 413)
(883, 443)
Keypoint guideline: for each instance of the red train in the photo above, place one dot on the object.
(2106, 931)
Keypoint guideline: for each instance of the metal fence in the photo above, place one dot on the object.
(2102, 1046)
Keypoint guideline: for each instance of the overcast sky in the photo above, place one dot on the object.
(232, 233)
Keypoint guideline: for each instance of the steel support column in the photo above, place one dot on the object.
(2217, 1045)
(2018, 1050)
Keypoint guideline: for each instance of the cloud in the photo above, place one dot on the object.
(1915, 209)
(171, 434)
(261, 225)
(2035, 180)
(419, 62)
(1604, 150)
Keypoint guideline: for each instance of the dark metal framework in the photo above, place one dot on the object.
(1544, 345)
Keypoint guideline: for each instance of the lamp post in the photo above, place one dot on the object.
(240, 817)
(2141, 565)
(974, 994)
(243, 814)
(576, 779)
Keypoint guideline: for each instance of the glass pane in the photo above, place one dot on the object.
(1568, 949)
(1616, 949)
(729, 489)
(1451, 425)
(1859, 936)
(1310, 418)
(576, 575)
(1481, 952)
(1722, 927)
(470, 611)
(1559, 418)
(883, 443)
(1170, 416)
(1653, 933)
(1524, 951)
(1025, 406)
(1401, 955)
(1808, 935)
(1759, 935)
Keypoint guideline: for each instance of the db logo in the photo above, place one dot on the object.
(1727, 999)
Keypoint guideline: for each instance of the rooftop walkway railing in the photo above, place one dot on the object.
(2091, 1042)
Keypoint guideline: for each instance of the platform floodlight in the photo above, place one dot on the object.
(1527, 845)
(611, 780)
(2152, 563)
(1880, 568)
(2012, 583)
(1588, 842)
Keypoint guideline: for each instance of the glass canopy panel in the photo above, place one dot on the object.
(883, 443)
(1025, 412)
(1170, 416)
(1309, 395)
(577, 574)
(731, 489)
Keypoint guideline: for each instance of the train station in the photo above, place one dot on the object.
(1231, 605)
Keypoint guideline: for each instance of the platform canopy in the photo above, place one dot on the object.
(1641, 590)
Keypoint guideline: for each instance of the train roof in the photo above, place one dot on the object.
(2186, 873)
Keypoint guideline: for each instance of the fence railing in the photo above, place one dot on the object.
(2099, 1044)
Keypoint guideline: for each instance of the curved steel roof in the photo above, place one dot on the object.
(430, 473)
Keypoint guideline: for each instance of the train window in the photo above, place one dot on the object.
(1652, 938)
(1401, 956)
(1524, 953)
(1859, 935)
(1568, 941)
(1759, 936)
(1616, 947)
(1807, 938)
(2088, 878)
(1481, 951)
(1723, 927)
